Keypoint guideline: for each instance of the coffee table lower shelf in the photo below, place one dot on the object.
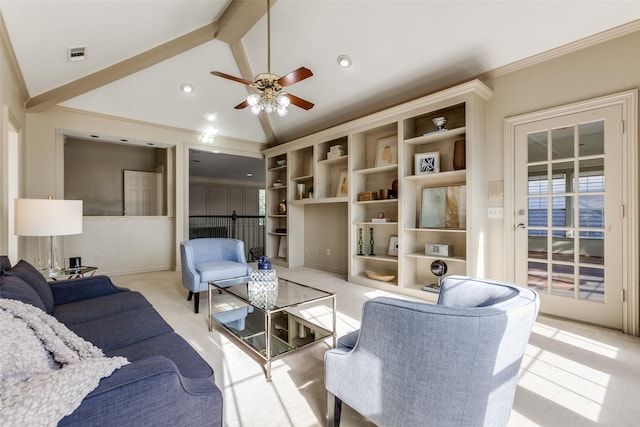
(292, 322)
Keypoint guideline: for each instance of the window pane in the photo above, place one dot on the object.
(538, 276)
(537, 212)
(538, 244)
(591, 176)
(591, 138)
(592, 251)
(563, 249)
(562, 177)
(537, 147)
(592, 284)
(562, 211)
(538, 179)
(591, 212)
(562, 280)
(562, 143)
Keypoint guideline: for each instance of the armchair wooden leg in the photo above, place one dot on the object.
(334, 410)
(196, 302)
(190, 296)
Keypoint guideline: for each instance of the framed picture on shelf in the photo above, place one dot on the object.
(342, 186)
(427, 163)
(393, 246)
(444, 207)
(387, 151)
(282, 247)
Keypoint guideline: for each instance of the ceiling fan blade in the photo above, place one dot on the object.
(235, 79)
(294, 76)
(300, 102)
(243, 104)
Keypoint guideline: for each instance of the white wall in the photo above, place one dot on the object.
(607, 68)
(126, 244)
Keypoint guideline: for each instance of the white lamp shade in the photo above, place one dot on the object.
(47, 217)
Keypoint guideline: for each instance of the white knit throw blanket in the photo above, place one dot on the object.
(45, 369)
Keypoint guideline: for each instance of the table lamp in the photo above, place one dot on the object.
(48, 218)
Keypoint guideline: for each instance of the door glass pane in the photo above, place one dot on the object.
(537, 212)
(591, 138)
(562, 142)
(562, 177)
(538, 179)
(591, 175)
(562, 249)
(562, 280)
(562, 212)
(591, 284)
(591, 212)
(538, 276)
(591, 250)
(538, 244)
(537, 146)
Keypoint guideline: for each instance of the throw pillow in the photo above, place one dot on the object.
(29, 274)
(13, 287)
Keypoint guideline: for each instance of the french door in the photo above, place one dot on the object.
(569, 213)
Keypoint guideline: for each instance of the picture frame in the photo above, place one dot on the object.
(393, 246)
(342, 185)
(387, 151)
(427, 163)
(443, 207)
(282, 247)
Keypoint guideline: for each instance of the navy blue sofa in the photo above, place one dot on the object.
(167, 382)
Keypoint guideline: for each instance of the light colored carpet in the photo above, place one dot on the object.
(572, 374)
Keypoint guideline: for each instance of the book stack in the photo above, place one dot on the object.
(335, 151)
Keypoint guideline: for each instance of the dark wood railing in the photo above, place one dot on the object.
(248, 228)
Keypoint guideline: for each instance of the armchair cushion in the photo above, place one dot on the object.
(218, 270)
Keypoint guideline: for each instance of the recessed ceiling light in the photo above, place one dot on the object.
(344, 61)
(249, 174)
(211, 117)
(186, 87)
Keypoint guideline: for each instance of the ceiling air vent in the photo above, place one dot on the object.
(76, 53)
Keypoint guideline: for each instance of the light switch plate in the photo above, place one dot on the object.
(496, 212)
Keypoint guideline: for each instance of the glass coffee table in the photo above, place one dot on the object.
(274, 323)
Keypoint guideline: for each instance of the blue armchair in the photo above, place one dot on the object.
(211, 259)
(451, 364)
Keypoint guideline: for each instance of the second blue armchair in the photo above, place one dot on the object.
(211, 259)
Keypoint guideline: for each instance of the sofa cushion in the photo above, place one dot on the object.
(5, 264)
(13, 287)
(122, 329)
(217, 270)
(189, 363)
(99, 307)
(33, 278)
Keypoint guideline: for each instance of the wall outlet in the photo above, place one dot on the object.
(496, 212)
(98, 256)
(328, 251)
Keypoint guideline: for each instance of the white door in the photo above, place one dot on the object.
(568, 200)
(139, 193)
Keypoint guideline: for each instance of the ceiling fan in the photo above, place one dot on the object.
(271, 97)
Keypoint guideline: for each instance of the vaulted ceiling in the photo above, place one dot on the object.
(138, 53)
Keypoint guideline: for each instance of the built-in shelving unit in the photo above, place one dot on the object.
(376, 154)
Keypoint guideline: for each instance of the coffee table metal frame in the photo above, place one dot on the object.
(223, 286)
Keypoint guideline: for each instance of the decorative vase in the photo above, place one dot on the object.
(282, 207)
(264, 263)
(394, 189)
(371, 242)
(459, 161)
(360, 242)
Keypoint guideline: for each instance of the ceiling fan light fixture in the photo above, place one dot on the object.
(253, 99)
(282, 110)
(283, 100)
(255, 109)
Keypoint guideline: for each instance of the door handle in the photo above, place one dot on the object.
(521, 225)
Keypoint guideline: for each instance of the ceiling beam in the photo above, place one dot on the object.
(239, 17)
(245, 70)
(123, 69)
